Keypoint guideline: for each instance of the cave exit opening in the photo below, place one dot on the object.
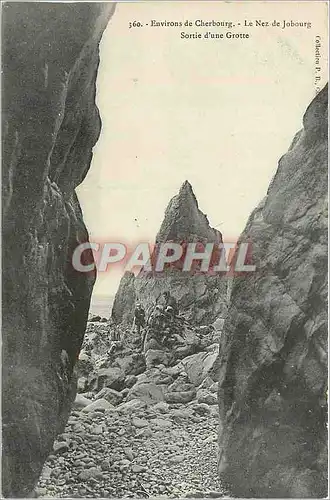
(173, 110)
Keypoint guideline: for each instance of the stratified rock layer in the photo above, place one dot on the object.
(201, 297)
(50, 124)
(273, 353)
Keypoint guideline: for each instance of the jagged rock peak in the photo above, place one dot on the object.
(200, 299)
(184, 221)
(187, 190)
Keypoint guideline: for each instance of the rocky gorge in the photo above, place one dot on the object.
(240, 406)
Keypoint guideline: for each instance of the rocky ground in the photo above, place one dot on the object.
(163, 450)
(139, 431)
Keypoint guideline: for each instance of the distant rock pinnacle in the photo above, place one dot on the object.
(184, 221)
(201, 298)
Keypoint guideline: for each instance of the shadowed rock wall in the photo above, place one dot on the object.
(273, 352)
(50, 125)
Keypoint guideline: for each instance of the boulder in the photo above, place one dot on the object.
(184, 351)
(148, 392)
(214, 387)
(110, 395)
(181, 414)
(207, 383)
(91, 473)
(199, 366)
(98, 405)
(174, 371)
(130, 380)
(218, 324)
(156, 375)
(140, 422)
(107, 377)
(132, 406)
(81, 402)
(161, 407)
(201, 408)
(180, 397)
(161, 423)
(181, 384)
(82, 384)
(136, 469)
(60, 447)
(212, 347)
(133, 364)
(156, 357)
(207, 397)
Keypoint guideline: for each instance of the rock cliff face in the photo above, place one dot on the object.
(273, 352)
(125, 298)
(50, 125)
(201, 297)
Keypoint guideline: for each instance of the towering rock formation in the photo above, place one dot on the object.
(201, 297)
(273, 352)
(50, 125)
(184, 221)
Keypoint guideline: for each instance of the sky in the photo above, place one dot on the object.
(217, 112)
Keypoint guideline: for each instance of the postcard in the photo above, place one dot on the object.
(164, 258)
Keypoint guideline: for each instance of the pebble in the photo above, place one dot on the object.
(177, 459)
(160, 422)
(98, 429)
(138, 468)
(129, 453)
(139, 422)
(60, 447)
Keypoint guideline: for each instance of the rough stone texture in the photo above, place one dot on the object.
(184, 221)
(124, 302)
(201, 297)
(50, 124)
(200, 365)
(273, 353)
